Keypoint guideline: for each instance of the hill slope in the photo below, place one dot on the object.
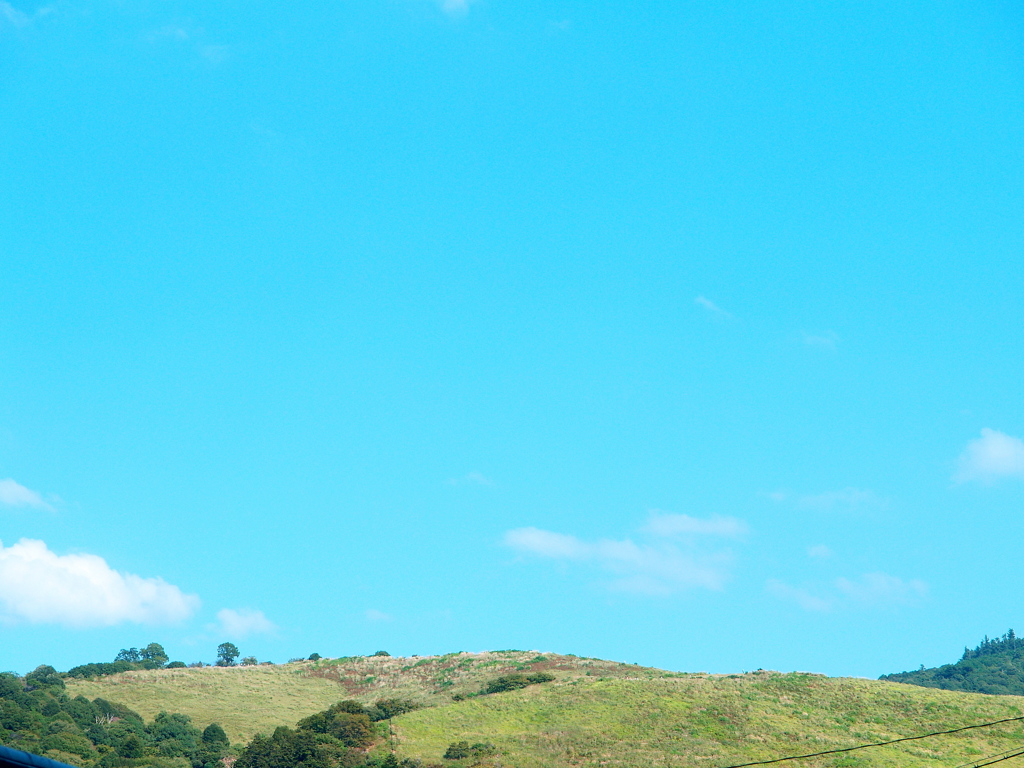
(251, 700)
(715, 721)
(593, 713)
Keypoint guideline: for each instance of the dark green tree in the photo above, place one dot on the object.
(213, 734)
(154, 654)
(226, 654)
(44, 676)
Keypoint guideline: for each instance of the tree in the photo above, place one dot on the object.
(154, 654)
(226, 654)
(249, 661)
(44, 676)
(214, 735)
(128, 654)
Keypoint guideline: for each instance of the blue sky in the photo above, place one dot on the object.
(686, 334)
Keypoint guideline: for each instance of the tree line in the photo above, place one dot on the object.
(38, 716)
(995, 666)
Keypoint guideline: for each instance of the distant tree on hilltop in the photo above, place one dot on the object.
(226, 654)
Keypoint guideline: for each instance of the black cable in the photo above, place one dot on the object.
(878, 743)
(985, 760)
(998, 758)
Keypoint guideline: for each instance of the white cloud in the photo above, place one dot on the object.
(661, 567)
(471, 478)
(882, 589)
(455, 7)
(847, 498)
(872, 590)
(991, 456)
(802, 597)
(711, 307)
(11, 16)
(214, 54)
(669, 524)
(820, 552)
(547, 543)
(372, 614)
(81, 590)
(14, 495)
(244, 622)
(827, 341)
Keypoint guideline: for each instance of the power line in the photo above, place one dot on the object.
(992, 759)
(884, 743)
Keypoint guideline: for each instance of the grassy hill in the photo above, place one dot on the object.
(595, 713)
(251, 700)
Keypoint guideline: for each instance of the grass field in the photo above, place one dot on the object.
(595, 713)
(716, 721)
(251, 700)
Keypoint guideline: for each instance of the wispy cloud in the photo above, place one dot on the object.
(992, 456)
(82, 590)
(192, 37)
(848, 498)
(827, 341)
(12, 17)
(798, 595)
(875, 589)
(215, 54)
(872, 590)
(239, 624)
(372, 614)
(13, 494)
(711, 307)
(670, 561)
(819, 552)
(455, 7)
(670, 524)
(471, 478)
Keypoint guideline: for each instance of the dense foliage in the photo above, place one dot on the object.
(994, 666)
(152, 656)
(341, 736)
(515, 681)
(37, 715)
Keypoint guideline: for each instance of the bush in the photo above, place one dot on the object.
(459, 750)
(176, 665)
(385, 709)
(381, 653)
(516, 681)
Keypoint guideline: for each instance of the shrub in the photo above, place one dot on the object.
(385, 709)
(516, 681)
(459, 750)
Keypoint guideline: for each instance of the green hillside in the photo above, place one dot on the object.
(995, 666)
(594, 713)
(251, 700)
(715, 721)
